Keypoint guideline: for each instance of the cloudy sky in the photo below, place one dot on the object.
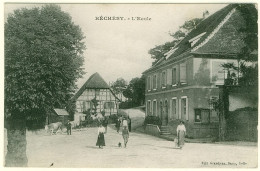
(118, 48)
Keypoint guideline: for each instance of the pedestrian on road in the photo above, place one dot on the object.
(69, 128)
(181, 132)
(105, 123)
(118, 122)
(125, 134)
(101, 138)
(125, 124)
(129, 123)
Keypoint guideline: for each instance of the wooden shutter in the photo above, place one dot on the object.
(179, 109)
(187, 109)
(174, 76)
(183, 73)
(169, 77)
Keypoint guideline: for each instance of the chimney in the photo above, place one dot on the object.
(205, 14)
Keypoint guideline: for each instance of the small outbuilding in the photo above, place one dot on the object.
(58, 115)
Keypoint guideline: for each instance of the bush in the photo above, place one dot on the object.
(112, 118)
(154, 120)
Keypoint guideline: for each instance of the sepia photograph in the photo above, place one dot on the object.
(130, 85)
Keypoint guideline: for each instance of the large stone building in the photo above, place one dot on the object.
(181, 85)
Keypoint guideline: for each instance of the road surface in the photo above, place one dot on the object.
(79, 150)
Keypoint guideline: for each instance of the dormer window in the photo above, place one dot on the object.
(194, 40)
(169, 53)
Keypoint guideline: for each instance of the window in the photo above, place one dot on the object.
(163, 79)
(148, 83)
(202, 115)
(87, 105)
(148, 107)
(154, 107)
(184, 108)
(109, 105)
(183, 73)
(174, 76)
(154, 82)
(174, 108)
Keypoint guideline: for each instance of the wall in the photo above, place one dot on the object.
(241, 100)
(197, 98)
(152, 130)
(102, 95)
(242, 125)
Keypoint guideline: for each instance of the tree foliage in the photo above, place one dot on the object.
(119, 85)
(136, 91)
(43, 59)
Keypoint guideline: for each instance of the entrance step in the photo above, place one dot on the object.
(165, 130)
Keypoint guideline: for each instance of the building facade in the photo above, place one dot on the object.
(95, 97)
(183, 84)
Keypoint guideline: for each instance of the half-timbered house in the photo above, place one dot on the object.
(95, 97)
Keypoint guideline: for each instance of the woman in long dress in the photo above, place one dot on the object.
(181, 132)
(101, 138)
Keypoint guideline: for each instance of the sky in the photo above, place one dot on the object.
(119, 48)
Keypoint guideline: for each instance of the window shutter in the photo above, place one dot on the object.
(174, 76)
(179, 109)
(183, 72)
(169, 77)
(187, 109)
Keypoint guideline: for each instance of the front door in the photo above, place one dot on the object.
(165, 116)
(161, 110)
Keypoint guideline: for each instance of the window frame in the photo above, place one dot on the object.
(148, 107)
(163, 79)
(153, 107)
(176, 81)
(176, 108)
(200, 113)
(185, 82)
(155, 86)
(186, 107)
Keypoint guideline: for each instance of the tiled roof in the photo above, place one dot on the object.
(206, 26)
(217, 34)
(61, 112)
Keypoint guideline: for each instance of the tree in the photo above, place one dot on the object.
(158, 51)
(43, 59)
(119, 85)
(248, 74)
(135, 91)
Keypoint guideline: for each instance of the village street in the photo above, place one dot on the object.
(79, 150)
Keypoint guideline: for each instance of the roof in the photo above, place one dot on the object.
(95, 81)
(61, 112)
(218, 34)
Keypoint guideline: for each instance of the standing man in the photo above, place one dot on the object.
(118, 122)
(69, 128)
(129, 123)
(105, 123)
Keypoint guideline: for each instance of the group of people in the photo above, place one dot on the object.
(126, 122)
(126, 128)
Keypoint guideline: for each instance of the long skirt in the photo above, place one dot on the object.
(181, 137)
(101, 140)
